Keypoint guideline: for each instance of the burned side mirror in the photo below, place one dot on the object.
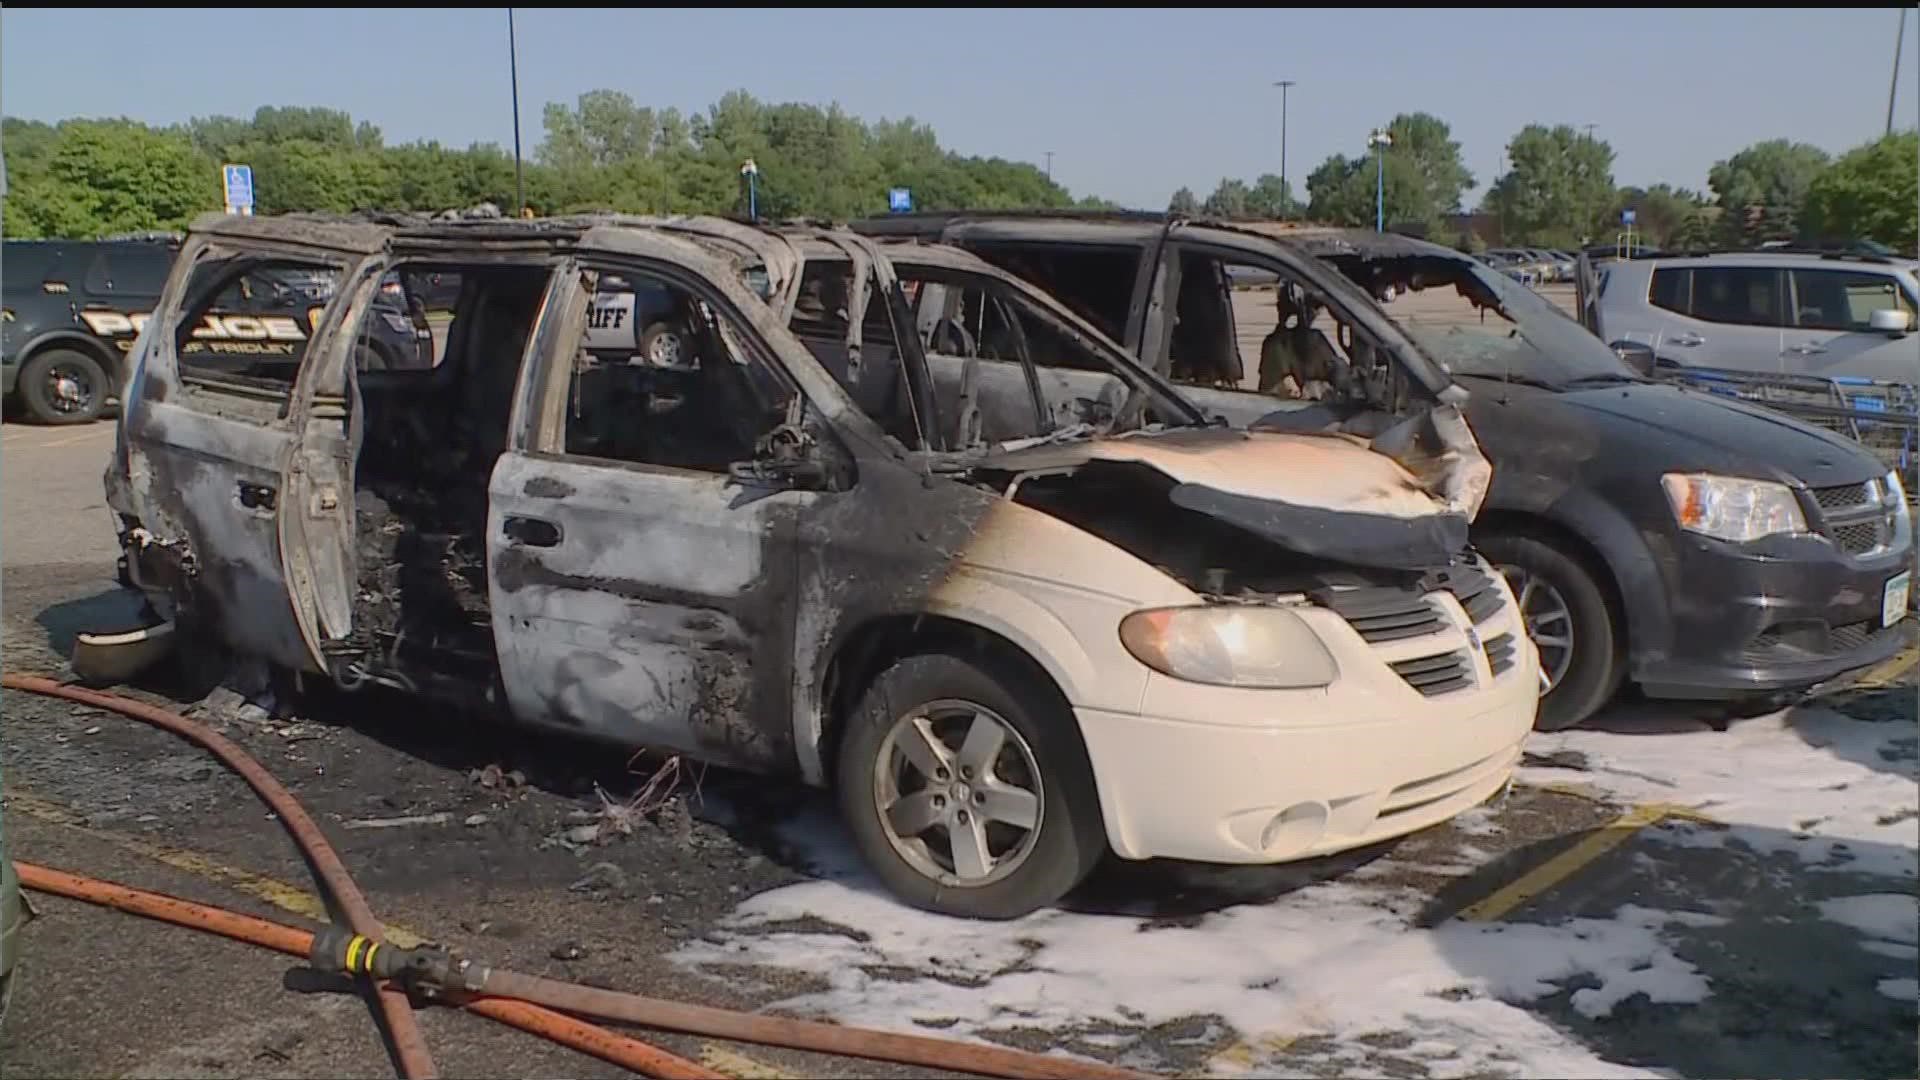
(1636, 355)
(788, 458)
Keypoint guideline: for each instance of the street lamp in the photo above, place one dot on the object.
(1283, 84)
(1382, 140)
(752, 172)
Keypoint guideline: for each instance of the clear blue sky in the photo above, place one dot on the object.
(1133, 103)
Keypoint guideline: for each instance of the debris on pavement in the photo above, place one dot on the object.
(441, 818)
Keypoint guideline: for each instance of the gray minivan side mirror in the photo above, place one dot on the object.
(1893, 321)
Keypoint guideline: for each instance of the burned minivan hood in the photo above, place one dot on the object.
(1320, 495)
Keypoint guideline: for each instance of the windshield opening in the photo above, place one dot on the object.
(1477, 321)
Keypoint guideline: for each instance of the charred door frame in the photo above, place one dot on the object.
(670, 622)
(161, 424)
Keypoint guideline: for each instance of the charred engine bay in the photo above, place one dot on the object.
(1130, 506)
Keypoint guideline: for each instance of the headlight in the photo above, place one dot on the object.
(1258, 647)
(1902, 515)
(1730, 508)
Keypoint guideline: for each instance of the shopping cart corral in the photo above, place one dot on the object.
(1882, 416)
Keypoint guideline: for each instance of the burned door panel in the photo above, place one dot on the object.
(211, 494)
(209, 455)
(644, 607)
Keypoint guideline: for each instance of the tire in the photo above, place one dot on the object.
(1032, 867)
(63, 386)
(663, 335)
(1595, 667)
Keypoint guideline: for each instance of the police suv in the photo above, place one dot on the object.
(70, 310)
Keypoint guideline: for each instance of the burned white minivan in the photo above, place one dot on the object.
(1017, 600)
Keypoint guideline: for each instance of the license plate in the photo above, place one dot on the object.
(1893, 602)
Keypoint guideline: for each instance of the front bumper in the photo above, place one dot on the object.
(1221, 775)
(1781, 616)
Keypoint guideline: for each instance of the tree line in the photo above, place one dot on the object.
(88, 178)
(1558, 190)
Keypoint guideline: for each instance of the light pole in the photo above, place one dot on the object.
(752, 172)
(1283, 84)
(1380, 140)
(1586, 205)
(513, 68)
(1049, 166)
(1899, 41)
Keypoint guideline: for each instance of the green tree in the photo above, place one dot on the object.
(1426, 142)
(1760, 189)
(1269, 197)
(1869, 194)
(109, 176)
(1558, 190)
(1229, 200)
(1184, 203)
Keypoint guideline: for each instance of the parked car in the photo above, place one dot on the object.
(1513, 265)
(1541, 268)
(1701, 548)
(72, 309)
(1019, 601)
(1779, 312)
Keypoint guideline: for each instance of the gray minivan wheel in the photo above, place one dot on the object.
(967, 789)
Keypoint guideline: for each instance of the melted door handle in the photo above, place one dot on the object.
(257, 496)
(533, 532)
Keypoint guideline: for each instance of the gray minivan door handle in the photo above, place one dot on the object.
(1689, 340)
(1811, 348)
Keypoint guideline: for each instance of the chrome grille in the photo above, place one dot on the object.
(1857, 539)
(1438, 674)
(1860, 519)
(1843, 498)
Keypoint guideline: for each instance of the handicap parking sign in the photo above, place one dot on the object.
(900, 200)
(239, 182)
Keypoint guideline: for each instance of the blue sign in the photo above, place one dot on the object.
(900, 201)
(239, 181)
(1626, 217)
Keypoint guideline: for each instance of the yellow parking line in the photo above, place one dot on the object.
(739, 1066)
(1241, 1056)
(1893, 668)
(280, 894)
(1564, 865)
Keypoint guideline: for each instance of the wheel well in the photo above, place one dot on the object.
(879, 643)
(1575, 546)
(109, 359)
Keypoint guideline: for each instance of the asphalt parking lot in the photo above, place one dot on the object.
(1654, 897)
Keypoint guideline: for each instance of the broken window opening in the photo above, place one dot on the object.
(702, 403)
(878, 384)
(249, 319)
(1005, 369)
(429, 439)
